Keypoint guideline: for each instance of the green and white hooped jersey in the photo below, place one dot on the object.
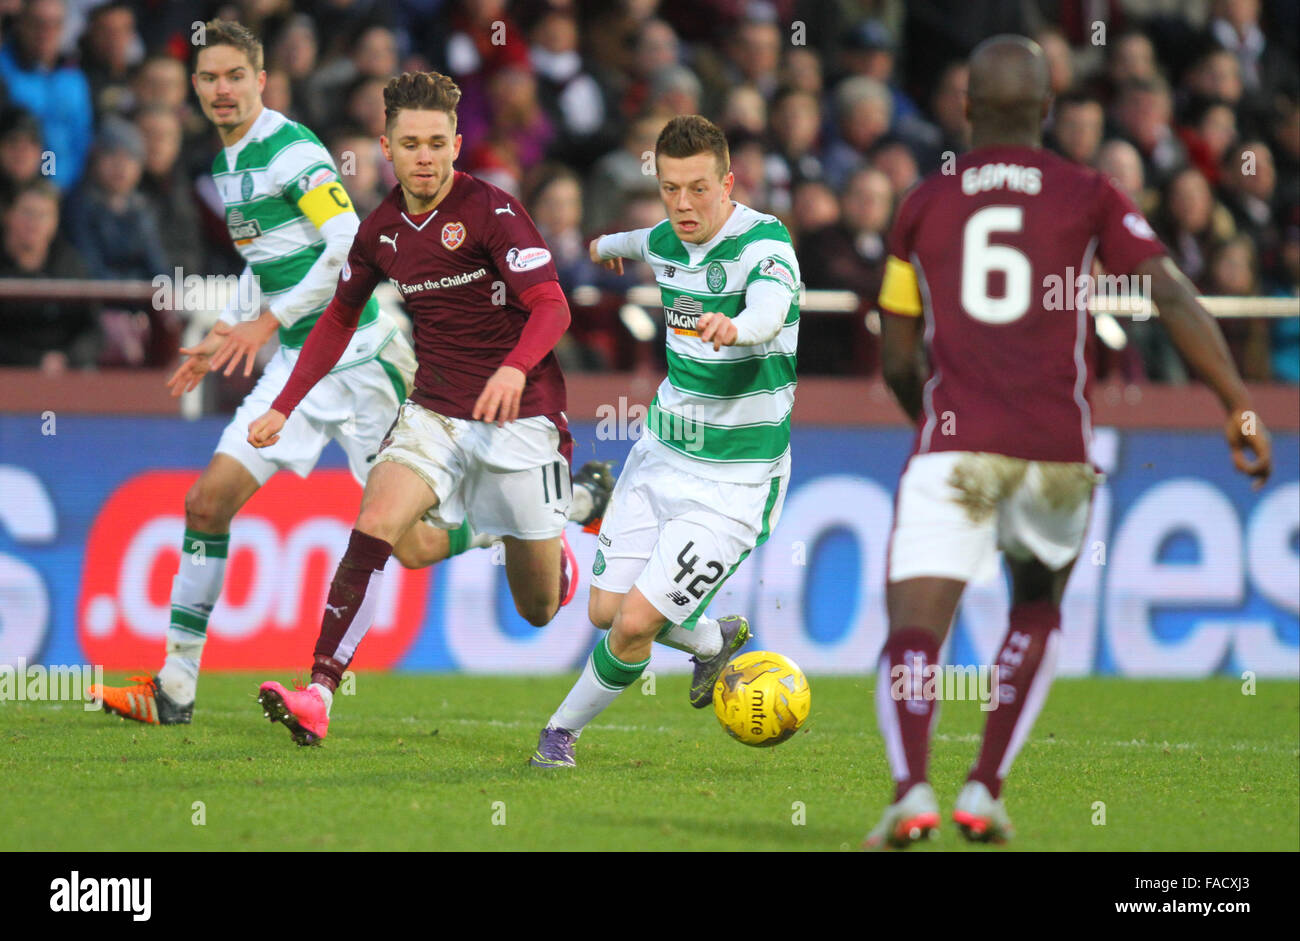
(724, 415)
(278, 184)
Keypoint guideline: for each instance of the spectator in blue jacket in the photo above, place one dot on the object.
(58, 94)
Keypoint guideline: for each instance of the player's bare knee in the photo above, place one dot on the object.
(410, 553)
(207, 509)
(634, 630)
(600, 613)
(375, 522)
(418, 548)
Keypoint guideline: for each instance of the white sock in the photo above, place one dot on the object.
(603, 677)
(195, 590)
(326, 694)
(704, 641)
(179, 676)
(585, 701)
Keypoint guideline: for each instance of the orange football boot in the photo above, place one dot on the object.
(144, 702)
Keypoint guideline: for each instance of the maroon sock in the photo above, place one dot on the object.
(1019, 698)
(905, 717)
(346, 607)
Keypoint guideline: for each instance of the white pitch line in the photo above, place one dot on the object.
(968, 738)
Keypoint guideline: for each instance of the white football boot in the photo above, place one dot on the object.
(913, 818)
(979, 817)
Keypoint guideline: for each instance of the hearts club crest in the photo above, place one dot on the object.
(453, 234)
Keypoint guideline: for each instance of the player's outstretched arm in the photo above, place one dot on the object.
(610, 250)
(1198, 338)
(317, 285)
(613, 264)
(766, 304)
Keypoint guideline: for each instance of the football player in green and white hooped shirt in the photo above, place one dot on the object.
(705, 484)
(292, 221)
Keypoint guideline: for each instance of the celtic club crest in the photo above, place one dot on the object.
(453, 234)
(715, 276)
(246, 187)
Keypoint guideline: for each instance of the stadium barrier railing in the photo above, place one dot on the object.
(824, 400)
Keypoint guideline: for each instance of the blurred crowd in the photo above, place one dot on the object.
(833, 109)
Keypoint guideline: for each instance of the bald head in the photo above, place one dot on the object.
(1010, 89)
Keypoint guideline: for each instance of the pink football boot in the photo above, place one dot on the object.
(301, 710)
(568, 571)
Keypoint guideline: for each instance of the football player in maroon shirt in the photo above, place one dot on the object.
(483, 436)
(985, 345)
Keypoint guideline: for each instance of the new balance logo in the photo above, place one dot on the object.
(678, 597)
(391, 240)
(669, 270)
(505, 211)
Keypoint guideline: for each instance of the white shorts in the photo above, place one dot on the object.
(354, 406)
(956, 509)
(510, 481)
(678, 537)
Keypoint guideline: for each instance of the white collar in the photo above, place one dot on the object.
(420, 227)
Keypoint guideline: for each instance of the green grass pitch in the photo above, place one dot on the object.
(432, 762)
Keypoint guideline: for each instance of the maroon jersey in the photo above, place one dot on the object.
(460, 269)
(1000, 252)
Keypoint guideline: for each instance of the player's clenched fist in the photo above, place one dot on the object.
(1246, 432)
(716, 329)
(499, 400)
(266, 430)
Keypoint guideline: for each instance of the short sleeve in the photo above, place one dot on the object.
(1124, 237)
(511, 240)
(899, 291)
(899, 242)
